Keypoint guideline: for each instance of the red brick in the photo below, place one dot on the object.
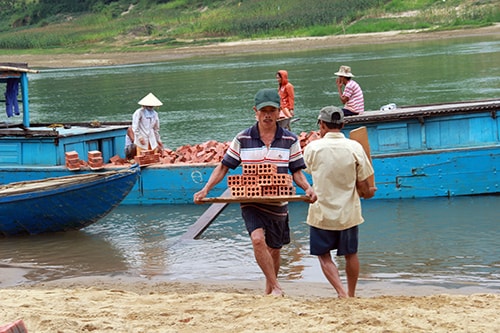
(266, 169)
(265, 179)
(234, 180)
(71, 154)
(249, 169)
(270, 191)
(94, 153)
(286, 190)
(238, 191)
(253, 191)
(283, 179)
(249, 180)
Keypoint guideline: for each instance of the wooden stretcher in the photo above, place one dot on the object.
(268, 199)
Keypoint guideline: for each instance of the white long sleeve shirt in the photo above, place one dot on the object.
(146, 124)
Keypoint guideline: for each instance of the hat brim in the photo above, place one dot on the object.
(264, 104)
(344, 74)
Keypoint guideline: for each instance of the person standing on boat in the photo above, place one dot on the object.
(352, 96)
(146, 125)
(340, 169)
(287, 94)
(130, 148)
(11, 92)
(265, 142)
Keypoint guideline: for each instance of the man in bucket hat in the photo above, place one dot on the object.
(146, 125)
(339, 168)
(352, 96)
(265, 142)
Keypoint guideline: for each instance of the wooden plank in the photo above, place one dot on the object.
(268, 199)
(196, 229)
(18, 69)
(360, 135)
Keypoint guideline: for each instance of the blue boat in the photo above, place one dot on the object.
(436, 150)
(62, 203)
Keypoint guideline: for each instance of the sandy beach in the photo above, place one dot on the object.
(123, 304)
(131, 305)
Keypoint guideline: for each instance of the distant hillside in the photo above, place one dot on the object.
(105, 25)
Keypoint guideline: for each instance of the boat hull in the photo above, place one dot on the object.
(420, 151)
(69, 206)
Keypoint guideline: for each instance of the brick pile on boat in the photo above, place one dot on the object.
(208, 152)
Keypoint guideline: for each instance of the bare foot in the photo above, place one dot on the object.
(277, 292)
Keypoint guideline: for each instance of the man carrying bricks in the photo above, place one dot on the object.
(265, 142)
(340, 169)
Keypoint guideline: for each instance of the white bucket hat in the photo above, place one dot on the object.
(150, 100)
(344, 71)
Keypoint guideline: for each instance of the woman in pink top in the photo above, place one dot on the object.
(352, 96)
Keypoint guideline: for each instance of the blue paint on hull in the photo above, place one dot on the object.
(68, 206)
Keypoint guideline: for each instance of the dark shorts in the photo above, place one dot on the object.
(274, 221)
(348, 112)
(323, 241)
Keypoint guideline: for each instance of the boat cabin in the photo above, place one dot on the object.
(26, 144)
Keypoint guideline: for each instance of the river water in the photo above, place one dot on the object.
(439, 241)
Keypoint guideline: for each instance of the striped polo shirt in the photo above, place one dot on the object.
(248, 148)
(356, 101)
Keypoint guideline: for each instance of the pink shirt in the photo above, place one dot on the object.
(356, 101)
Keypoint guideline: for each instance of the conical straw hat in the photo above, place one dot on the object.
(150, 100)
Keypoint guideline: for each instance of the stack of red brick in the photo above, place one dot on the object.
(95, 159)
(147, 157)
(73, 162)
(260, 180)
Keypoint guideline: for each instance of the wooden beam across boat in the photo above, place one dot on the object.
(202, 223)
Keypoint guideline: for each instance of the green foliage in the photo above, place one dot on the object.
(251, 18)
(118, 24)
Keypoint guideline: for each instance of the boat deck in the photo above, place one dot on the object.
(423, 111)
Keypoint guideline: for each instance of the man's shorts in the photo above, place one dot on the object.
(323, 241)
(274, 221)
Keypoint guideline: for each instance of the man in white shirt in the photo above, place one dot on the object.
(340, 169)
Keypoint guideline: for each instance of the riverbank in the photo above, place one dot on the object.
(131, 305)
(240, 47)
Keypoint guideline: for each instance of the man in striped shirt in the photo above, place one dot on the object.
(352, 96)
(265, 142)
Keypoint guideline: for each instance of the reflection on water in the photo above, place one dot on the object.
(436, 241)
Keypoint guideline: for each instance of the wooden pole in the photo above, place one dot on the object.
(196, 229)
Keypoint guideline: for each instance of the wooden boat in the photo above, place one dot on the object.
(62, 203)
(448, 149)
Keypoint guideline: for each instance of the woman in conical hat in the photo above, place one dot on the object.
(150, 100)
(146, 125)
